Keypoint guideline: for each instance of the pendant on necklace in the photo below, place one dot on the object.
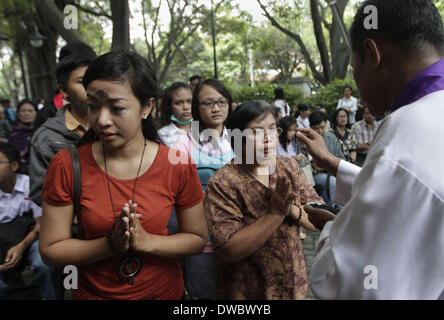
(129, 268)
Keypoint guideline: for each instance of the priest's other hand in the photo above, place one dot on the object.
(318, 217)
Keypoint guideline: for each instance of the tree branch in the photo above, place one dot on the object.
(90, 11)
(317, 75)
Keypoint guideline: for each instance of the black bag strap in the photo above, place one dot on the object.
(77, 188)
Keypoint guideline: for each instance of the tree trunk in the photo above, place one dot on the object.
(49, 13)
(340, 53)
(120, 18)
(320, 40)
(41, 62)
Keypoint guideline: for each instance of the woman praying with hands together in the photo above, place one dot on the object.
(128, 190)
(254, 209)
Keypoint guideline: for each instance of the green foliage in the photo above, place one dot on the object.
(330, 94)
(265, 92)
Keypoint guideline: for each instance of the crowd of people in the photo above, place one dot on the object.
(98, 116)
(179, 193)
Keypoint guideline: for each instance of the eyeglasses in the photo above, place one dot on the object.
(261, 132)
(211, 104)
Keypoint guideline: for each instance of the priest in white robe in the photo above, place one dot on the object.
(388, 241)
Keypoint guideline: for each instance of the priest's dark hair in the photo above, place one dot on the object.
(408, 24)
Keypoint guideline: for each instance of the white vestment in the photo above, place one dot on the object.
(388, 240)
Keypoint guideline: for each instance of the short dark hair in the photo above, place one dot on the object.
(167, 100)
(247, 112)
(407, 24)
(348, 86)
(285, 124)
(127, 66)
(303, 107)
(75, 48)
(317, 117)
(71, 57)
(195, 77)
(279, 94)
(216, 85)
(10, 151)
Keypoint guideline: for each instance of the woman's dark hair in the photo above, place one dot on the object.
(167, 101)
(247, 112)
(219, 87)
(279, 94)
(195, 77)
(285, 124)
(407, 24)
(10, 151)
(25, 101)
(15, 123)
(122, 67)
(335, 115)
(350, 87)
(303, 107)
(276, 111)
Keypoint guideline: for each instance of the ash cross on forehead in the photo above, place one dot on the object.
(100, 94)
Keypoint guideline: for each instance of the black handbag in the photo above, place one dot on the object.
(11, 233)
(77, 229)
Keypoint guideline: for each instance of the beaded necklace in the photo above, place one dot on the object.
(131, 264)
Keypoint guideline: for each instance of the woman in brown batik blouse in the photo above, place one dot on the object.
(254, 208)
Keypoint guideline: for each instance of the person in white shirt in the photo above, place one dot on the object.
(279, 101)
(14, 207)
(387, 242)
(175, 113)
(349, 103)
(304, 113)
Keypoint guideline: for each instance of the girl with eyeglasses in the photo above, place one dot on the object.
(208, 144)
(342, 130)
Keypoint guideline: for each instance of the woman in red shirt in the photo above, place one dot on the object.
(128, 190)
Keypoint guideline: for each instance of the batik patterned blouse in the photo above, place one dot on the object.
(233, 200)
(347, 141)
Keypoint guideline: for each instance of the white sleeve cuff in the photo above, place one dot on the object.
(346, 176)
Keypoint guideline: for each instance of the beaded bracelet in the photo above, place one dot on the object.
(111, 247)
(300, 214)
